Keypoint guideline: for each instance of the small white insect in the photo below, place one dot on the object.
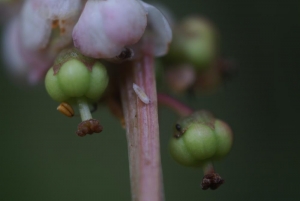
(141, 94)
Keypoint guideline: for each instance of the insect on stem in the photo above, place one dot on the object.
(141, 94)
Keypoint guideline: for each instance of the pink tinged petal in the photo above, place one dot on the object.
(35, 30)
(166, 12)
(14, 60)
(105, 27)
(64, 14)
(23, 65)
(64, 37)
(88, 34)
(58, 9)
(9, 9)
(38, 16)
(160, 30)
(39, 62)
(125, 21)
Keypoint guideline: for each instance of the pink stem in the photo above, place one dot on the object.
(142, 130)
(180, 108)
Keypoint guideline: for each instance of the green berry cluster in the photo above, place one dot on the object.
(75, 80)
(200, 138)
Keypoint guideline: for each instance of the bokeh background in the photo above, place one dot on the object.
(42, 159)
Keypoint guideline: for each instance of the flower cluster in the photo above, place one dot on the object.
(98, 28)
(81, 46)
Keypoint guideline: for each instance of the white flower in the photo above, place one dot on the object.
(99, 29)
(39, 17)
(105, 27)
(158, 32)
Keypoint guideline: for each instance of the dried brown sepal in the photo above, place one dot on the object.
(212, 181)
(89, 127)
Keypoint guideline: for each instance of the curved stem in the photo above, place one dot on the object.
(84, 109)
(180, 108)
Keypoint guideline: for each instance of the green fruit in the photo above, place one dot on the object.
(180, 152)
(224, 139)
(197, 144)
(200, 141)
(98, 82)
(200, 138)
(195, 42)
(75, 80)
(200, 44)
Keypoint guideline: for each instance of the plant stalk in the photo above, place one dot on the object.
(84, 109)
(142, 130)
(181, 109)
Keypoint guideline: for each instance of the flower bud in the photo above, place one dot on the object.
(180, 78)
(195, 42)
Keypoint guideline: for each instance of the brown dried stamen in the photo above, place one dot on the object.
(212, 181)
(66, 109)
(89, 127)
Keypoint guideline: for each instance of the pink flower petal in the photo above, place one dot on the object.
(160, 30)
(14, 61)
(38, 17)
(88, 35)
(105, 27)
(24, 65)
(125, 21)
(57, 9)
(35, 30)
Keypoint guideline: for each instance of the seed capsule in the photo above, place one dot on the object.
(66, 109)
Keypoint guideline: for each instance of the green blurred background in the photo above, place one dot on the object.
(41, 158)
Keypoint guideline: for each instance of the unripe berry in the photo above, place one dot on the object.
(200, 138)
(194, 146)
(200, 43)
(224, 139)
(195, 43)
(75, 80)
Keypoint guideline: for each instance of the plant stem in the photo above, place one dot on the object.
(181, 109)
(208, 168)
(142, 130)
(84, 109)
